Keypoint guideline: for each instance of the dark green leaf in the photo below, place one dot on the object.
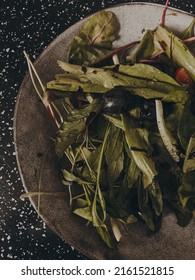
(139, 149)
(86, 55)
(189, 162)
(114, 154)
(74, 125)
(145, 208)
(132, 174)
(156, 197)
(186, 126)
(106, 237)
(99, 30)
(187, 191)
(115, 120)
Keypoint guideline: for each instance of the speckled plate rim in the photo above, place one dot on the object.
(26, 79)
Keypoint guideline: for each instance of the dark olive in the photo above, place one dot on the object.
(118, 100)
(148, 111)
(80, 163)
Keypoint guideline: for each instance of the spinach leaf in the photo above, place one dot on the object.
(187, 191)
(139, 150)
(74, 125)
(114, 154)
(132, 174)
(142, 80)
(185, 131)
(87, 55)
(99, 31)
(151, 219)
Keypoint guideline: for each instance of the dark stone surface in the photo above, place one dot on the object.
(32, 25)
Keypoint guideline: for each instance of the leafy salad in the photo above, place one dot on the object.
(125, 122)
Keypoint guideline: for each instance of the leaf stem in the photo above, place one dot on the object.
(167, 139)
(164, 13)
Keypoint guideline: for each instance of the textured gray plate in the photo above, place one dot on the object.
(33, 131)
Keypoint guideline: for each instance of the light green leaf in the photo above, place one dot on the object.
(179, 53)
(145, 48)
(69, 178)
(189, 31)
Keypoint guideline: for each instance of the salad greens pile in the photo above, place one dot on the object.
(126, 126)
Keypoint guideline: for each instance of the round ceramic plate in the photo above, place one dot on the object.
(33, 131)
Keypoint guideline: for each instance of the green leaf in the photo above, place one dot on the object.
(114, 154)
(189, 162)
(145, 209)
(189, 31)
(67, 135)
(132, 174)
(169, 183)
(100, 30)
(74, 125)
(156, 197)
(115, 120)
(69, 178)
(186, 126)
(86, 55)
(137, 77)
(82, 209)
(179, 53)
(139, 149)
(179, 96)
(187, 191)
(66, 83)
(145, 48)
(151, 74)
(106, 237)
